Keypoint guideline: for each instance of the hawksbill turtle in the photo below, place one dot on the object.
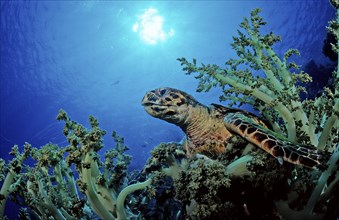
(209, 128)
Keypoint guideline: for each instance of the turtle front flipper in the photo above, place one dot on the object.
(279, 147)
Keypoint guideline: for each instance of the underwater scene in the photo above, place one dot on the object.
(169, 110)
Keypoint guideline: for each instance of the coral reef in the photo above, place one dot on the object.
(273, 91)
(228, 187)
(72, 182)
(275, 94)
(75, 182)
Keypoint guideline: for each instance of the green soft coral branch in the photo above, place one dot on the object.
(121, 213)
(47, 203)
(51, 185)
(67, 215)
(328, 193)
(5, 190)
(261, 44)
(33, 195)
(41, 194)
(66, 192)
(282, 71)
(281, 68)
(331, 122)
(104, 202)
(258, 47)
(239, 167)
(88, 176)
(14, 168)
(266, 90)
(299, 114)
(318, 190)
(283, 111)
(312, 128)
(70, 181)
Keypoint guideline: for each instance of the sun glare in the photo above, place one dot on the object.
(150, 28)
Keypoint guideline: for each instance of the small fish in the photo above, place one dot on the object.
(145, 144)
(115, 83)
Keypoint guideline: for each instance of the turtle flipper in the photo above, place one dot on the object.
(279, 147)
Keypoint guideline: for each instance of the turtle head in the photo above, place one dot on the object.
(171, 105)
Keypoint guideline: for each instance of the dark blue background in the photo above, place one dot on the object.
(85, 58)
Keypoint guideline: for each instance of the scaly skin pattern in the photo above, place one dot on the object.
(278, 147)
(208, 129)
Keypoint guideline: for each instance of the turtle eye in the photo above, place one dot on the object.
(162, 92)
(152, 97)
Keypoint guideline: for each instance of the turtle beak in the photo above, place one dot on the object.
(144, 100)
(149, 102)
(154, 97)
(149, 98)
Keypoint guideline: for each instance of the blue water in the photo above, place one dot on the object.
(85, 57)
